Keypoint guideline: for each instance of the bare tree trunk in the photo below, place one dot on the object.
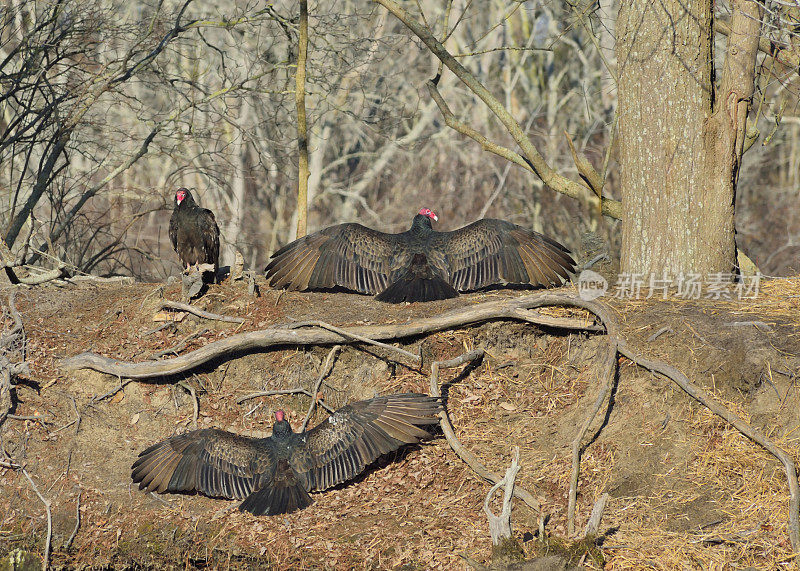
(726, 131)
(302, 129)
(664, 55)
(680, 148)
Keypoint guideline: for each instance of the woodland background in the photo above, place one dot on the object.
(106, 108)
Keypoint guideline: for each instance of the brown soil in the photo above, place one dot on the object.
(686, 489)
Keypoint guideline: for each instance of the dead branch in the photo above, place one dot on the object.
(294, 391)
(349, 334)
(46, 503)
(69, 541)
(593, 525)
(176, 305)
(180, 346)
(326, 369)
(251, 340)
(467, 456)
(609, 370)
(38, 279)
(531, 155)
(587, 171)
(500, 525)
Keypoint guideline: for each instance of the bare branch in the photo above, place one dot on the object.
(176, 305)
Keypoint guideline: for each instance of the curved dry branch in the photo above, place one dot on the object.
(178, 306)
(532, 156)
(253, 340)
(609, 369)
(447, 428)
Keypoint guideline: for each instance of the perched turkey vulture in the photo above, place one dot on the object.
(194, 232)
(420, 264)
(275, 474)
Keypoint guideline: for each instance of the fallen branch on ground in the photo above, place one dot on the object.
(468, 457)
(265, 338)
(609, 370)
(176, 305)
(326, 369)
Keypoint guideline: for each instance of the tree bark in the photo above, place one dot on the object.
(664, 55)
(680, 145)
(726, 130)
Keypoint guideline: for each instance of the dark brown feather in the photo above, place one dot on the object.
(275, 474)
(194, 233)
(420, 264)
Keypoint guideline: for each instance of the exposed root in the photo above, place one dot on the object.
(46, 503)
(468, 457)
(609, 370)
(326, 369)
(348, 334)
(251, 340)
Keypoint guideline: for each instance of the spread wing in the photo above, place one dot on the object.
(214, 462)
(492, 251)
(355, 435)
(347, 255)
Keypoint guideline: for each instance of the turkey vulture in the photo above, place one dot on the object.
(194, 232)
(275, 474)
(420, 264)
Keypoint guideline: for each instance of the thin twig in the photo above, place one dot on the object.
(609, 371)
(467, 456)
(350, 335)
(46, 503)
(295, 391)
(69, 541)
(113, 391)
(326, 369)
(176, 305)
(180, 346)
(195, 403)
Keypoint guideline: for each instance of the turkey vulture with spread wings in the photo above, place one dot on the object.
(194, 232)
(420, 264)
(275, 474)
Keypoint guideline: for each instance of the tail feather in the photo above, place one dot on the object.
(413, 288)
(276, 499)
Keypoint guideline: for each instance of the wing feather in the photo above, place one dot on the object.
(214, 462)
(355, 435)
(347, 255)
(492, 251)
